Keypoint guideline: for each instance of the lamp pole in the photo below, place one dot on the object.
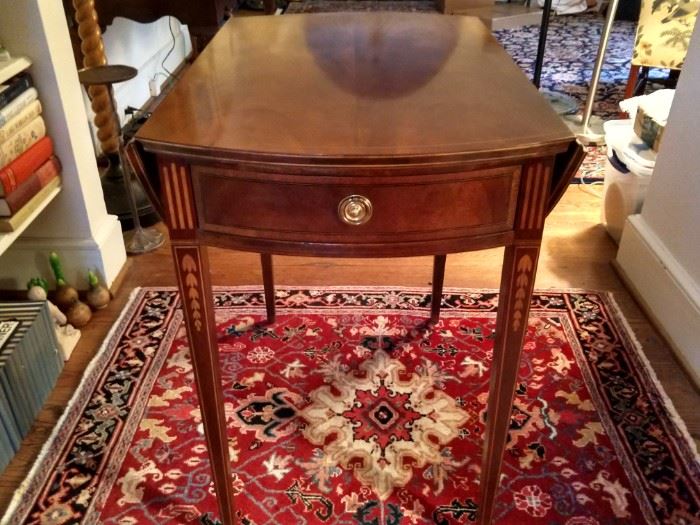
(588, 128)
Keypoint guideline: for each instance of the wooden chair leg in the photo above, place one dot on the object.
(438, 280)
(632, 80)
(641, 84)
(269, 285)
(631, 83)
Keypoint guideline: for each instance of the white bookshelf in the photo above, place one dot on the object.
(75, 222)
(10, 68)
(6, 239)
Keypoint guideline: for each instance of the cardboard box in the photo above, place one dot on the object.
(505, 16)
(648, 129)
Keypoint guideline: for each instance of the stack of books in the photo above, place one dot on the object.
(30, 363)
(29, 170)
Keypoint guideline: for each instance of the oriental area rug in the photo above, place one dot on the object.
(351, 410)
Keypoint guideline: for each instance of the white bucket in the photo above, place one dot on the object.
(628, 170)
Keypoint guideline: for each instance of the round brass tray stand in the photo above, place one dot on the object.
(139, 239)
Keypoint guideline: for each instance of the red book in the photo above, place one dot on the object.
(20, 169)
(30, 187)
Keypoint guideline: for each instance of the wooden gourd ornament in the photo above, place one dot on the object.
(66, 297)
(79, 314)
(98, 295)
(65, 294)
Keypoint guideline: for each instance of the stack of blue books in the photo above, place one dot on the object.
(30, 362)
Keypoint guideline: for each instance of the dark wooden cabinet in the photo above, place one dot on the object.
(203, 18)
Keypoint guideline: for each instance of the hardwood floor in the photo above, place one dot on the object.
(583, 255)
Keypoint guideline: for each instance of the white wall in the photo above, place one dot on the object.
(146, 47)
(76, 223)
(672, 206)
(660, 248)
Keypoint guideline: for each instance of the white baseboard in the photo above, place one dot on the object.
(668, 294)
(28, 257)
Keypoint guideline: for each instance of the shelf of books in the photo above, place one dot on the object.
(29, 171)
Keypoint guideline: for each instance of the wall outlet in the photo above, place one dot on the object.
(153, 87)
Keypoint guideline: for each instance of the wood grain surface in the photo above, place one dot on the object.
(339, 85)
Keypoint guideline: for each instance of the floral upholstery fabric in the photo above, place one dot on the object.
(663, 33)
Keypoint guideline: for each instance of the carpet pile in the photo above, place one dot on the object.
(351, 410)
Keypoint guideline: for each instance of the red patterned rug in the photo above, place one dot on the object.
(350, 410)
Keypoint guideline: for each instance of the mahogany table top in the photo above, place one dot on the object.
(319, 87)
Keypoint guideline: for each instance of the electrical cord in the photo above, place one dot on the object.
(172, 48)
(587, 187)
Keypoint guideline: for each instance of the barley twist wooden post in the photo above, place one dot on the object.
(94, 55)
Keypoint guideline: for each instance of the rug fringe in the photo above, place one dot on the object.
(20, 495)
(619, 318)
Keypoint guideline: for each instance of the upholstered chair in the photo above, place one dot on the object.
(663, 35)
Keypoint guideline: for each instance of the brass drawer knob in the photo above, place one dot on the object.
(355, 210)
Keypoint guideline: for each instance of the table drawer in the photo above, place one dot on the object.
(355, 209)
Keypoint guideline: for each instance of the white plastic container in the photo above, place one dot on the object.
(628, 169)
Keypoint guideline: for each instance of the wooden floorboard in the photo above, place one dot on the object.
(576, 254)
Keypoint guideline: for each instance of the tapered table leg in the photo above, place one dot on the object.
(517, 280)
(438, 280)
(192, 268)
(269, 286)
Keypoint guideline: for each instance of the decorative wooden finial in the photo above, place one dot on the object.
(94, 55)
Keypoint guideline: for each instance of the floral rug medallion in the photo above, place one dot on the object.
(382, 422)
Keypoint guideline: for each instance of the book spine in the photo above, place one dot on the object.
(22, 141)
(32, 348)
(10, 437)
(16, 395)
(17, 85)
(48, 350)
(7, 446)
(50, 353)
(28, 383)
(29, 379)
(24, 117)
(56, 357)
(8, 418)
(48, 170)
(20, 169)
(29, 188)
(10, 224)
(26, 350)
(17, 105)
